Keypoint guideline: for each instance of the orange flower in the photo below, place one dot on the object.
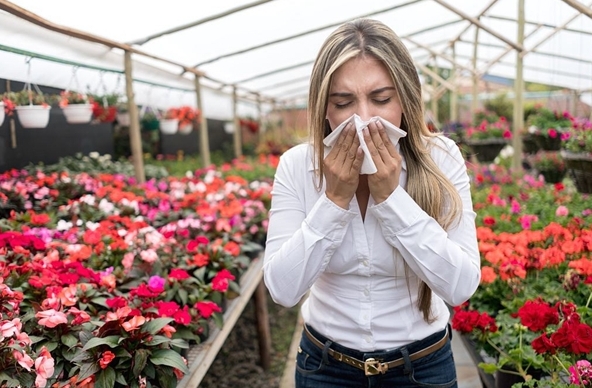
(134, 323)
(488, 275)
(106, 359)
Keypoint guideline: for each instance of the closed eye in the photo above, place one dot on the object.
(382, 102)
(342, 106)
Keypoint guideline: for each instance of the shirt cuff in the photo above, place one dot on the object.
(398, 212)
(329, 220)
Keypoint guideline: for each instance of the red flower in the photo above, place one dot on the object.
(220, 281)
(489, 221)
(178, 274)
(575, 337)
(207, 308)
(182, 316)
(543, 344)
(106, 358)
(537, 315)
(167, 309)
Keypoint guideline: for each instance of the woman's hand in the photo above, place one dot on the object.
(387, 160)
(342, 167)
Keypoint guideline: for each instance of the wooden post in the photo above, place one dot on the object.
(11, 121)
(204, 140)
(135, 136)
(262, 318)
(518, 122)
(238, 148)
(475, 102)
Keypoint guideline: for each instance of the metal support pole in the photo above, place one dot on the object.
(134, 130)
(518, 122)
(204, 141)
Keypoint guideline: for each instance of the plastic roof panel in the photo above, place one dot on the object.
(280, 70)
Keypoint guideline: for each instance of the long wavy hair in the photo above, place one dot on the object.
(426, 183)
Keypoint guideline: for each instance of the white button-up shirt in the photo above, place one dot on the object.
(360, 295)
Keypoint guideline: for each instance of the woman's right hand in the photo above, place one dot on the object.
(342, 167)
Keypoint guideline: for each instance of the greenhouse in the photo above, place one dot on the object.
(145, 154)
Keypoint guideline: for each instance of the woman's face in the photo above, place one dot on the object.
(364, 86)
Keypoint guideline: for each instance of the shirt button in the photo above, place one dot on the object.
(365, 262)
(366, 292)
(367, 338)
(365, 317)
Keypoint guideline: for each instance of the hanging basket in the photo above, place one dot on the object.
(78, 113)
(529, 146)
(486, 150)
(33, 116)
(553, 176)
(186, 129)
(169, 126)
(579, 168)
(547, 143)
(2, 114)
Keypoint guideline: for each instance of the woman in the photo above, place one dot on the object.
(381, 254)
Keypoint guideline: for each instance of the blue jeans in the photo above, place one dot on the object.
(315, 368)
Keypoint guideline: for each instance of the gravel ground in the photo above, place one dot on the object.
(237, 363)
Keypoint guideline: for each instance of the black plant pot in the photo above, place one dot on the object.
(553, 176)
(548, 143)
(487, 150)
(579, 167)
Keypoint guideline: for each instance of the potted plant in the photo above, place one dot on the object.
(547, 127)
(104, 107)
(550, 165)
(149, 119)
(123, 115)
(187, 116)
(32, 108)
(169, 124)
(6, 107)
(576, 150)
(76, 107)
(488, 138)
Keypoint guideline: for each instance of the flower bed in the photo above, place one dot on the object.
(531, 313)
(104, 282)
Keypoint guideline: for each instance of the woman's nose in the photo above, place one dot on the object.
(365, 111)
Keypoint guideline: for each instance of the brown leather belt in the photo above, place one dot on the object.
(372, 366)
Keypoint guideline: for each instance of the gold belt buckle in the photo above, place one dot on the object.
(373, 367)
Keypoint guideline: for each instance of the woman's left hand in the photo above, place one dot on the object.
(387, 160)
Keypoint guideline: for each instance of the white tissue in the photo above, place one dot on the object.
(368, 167)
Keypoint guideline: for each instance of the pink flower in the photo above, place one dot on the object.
(10, 328)
(515, 207)
(581, 373)
(51, 318)
(156, 283)
(128, 260)
(44, 366)
(23, 359)
(80, 316)
(149, 255)
(562, 211)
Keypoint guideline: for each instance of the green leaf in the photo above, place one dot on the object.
(140, 360)
(155, 325)
(218, 319)
(170, 358)
(183, 296)
(69, 340)
(488, 368)
(106, 378)
(88, 369)
(180, 343)
(10, 382)
(121, 380)
(167, 380)
(157, 340)
(111, 341)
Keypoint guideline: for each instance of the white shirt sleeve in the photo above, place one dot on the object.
(448, 261)
(299, 246)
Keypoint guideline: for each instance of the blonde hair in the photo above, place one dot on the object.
(426, 183)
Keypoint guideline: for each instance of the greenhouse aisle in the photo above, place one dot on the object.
(466, 370)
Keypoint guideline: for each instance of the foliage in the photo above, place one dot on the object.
(501, 106)
(117, 278)
(95, 164)
(548, 161)
(70, 97)
(549, 123)
(27, 97)
(499, 129)
(531, 311)
(185, 114)
(579, 137)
